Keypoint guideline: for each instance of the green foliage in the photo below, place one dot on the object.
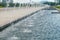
(1, 7)
(0, 4)
(3, 4)
(17, 4)
(11, 4)
(57, 7)
(50, 3)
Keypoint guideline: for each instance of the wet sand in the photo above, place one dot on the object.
(8, 15)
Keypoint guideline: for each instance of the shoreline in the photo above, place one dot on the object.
(9, 16)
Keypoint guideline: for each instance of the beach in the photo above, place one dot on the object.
(8, 15)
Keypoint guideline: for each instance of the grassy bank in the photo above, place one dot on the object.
(1, 7)
(58, 7)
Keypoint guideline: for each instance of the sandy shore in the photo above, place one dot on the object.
(11, 14)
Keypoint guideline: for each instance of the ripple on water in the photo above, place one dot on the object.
(26, 31)
(13, 38)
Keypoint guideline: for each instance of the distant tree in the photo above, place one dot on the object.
(21, 4)
(58, 1)
(50, 3)
(0, 4)
(11, 4)
(17, 4)
(3, 4)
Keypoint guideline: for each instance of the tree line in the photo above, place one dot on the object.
(18, 4)
(52, 3)
(10, 4)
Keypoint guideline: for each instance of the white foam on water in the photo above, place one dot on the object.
(26, 31)
(30, 25)
(30, 22)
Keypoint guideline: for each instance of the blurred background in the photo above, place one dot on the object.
(30, 3)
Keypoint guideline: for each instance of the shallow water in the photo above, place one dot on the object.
(43, 25)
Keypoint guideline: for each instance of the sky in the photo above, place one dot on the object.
(26, 1)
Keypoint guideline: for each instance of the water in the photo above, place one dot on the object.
(43, 25)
